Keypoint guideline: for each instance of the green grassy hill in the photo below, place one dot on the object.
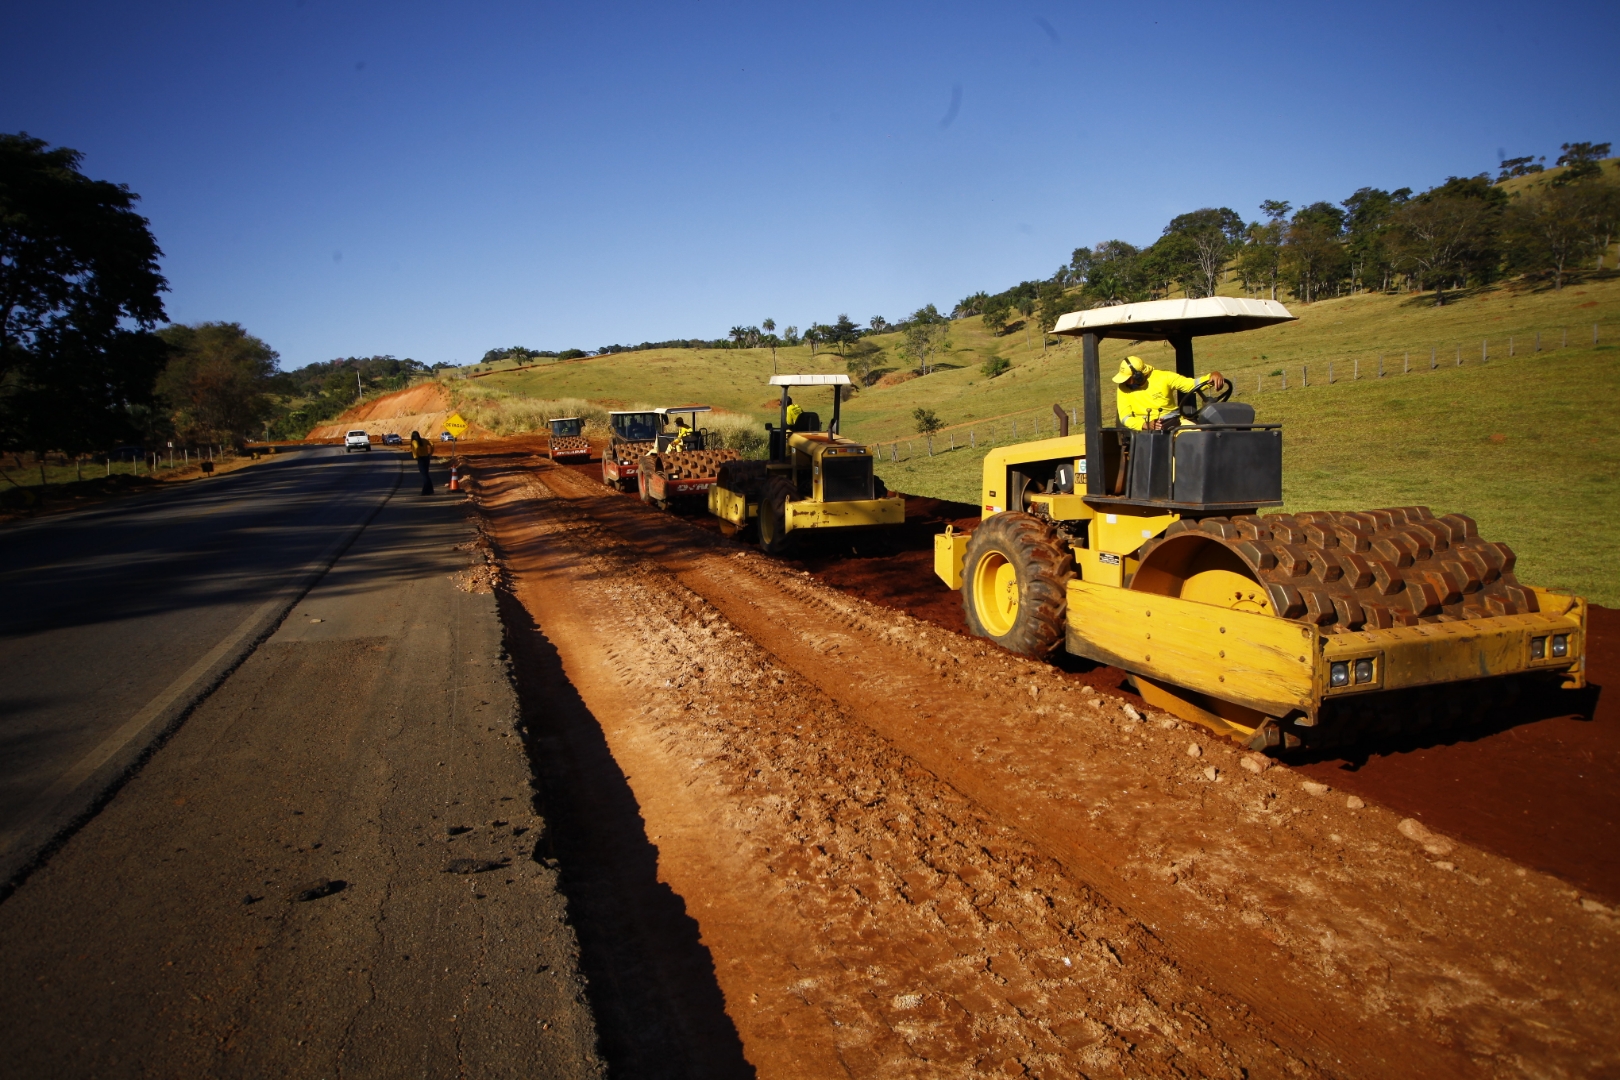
(1520, 442)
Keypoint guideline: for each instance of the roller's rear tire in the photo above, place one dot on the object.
(1015, 574)
(774, 539)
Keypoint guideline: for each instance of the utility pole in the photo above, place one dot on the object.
(358, 392)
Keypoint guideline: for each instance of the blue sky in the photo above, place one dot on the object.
(433, 180)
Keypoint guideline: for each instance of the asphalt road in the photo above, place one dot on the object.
(335, 865)
(117, 618)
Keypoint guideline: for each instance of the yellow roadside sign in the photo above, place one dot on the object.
(455, 425)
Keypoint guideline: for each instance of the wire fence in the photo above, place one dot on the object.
(1379, 365)
(57, 468)
(1038, 422)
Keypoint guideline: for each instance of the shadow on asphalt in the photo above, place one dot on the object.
(652, 984)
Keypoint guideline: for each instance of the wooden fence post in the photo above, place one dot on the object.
(1285, 378)
(1538, 341)
(1380, 365)
(973, 443)
(1510, 344)
(1304, 375)
(1433, 363)
(1485, 351)
(1330, 373)
(1406, 363)
(1357, 374)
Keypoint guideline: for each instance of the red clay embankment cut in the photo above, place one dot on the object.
(423, 407)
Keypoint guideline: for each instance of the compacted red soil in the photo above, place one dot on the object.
(1537, 782)
(807, 834)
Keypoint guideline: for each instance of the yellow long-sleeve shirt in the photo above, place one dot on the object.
(1156, 399)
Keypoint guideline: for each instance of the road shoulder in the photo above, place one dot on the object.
(330, 866)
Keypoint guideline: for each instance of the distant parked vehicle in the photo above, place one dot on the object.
(445, 436)
(356, 440)
(392, 439)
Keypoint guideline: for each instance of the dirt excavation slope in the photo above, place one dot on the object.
(908, 853)
(423, 408)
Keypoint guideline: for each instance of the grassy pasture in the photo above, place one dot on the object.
(1517, 442)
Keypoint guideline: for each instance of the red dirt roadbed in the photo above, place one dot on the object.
(909, 853)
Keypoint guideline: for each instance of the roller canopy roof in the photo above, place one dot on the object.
(810, 380)
(682, 409)
(1157, 320)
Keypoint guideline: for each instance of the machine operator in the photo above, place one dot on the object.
(1146, 398)
(683, 429)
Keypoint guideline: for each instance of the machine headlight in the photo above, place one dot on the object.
(1339, 673)
(1538, 648)
(1560, 644)
(1364, 671)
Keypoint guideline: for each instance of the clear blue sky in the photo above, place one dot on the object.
(433, 180)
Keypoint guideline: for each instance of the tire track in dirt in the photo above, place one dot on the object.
(1355, 947)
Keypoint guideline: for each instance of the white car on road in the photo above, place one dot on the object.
(356, 440)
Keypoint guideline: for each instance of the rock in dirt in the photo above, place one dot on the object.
(1131, 712)
(1354, 803)
(318, 889)
(1256, 763)
(1212, 773)
(1194, 750)
(1313, 788)
(1417, 832)
(472, 866)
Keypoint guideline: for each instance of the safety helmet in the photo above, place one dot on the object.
(1132, 365)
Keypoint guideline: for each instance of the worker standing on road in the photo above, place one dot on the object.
(422, 451)
(1147, 396)
(793, 413)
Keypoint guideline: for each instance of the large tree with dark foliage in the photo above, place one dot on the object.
(217, 383)
(79, 296)
(1449, 233)
(1196, 247)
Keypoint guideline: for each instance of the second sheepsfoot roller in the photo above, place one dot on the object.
(681, 466)
(814, 479)
(1146, 550)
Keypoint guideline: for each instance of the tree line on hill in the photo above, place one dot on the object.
(1465, 231)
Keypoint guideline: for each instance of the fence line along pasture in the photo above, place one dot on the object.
(1509, 346)
(1018, 426)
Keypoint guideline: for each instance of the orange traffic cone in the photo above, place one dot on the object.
(455, 485)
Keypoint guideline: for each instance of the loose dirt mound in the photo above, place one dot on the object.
(421, 408)
(908, 851)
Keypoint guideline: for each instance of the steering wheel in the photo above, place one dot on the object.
(1193, 401)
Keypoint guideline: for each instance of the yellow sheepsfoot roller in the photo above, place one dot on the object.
(1144, 547)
